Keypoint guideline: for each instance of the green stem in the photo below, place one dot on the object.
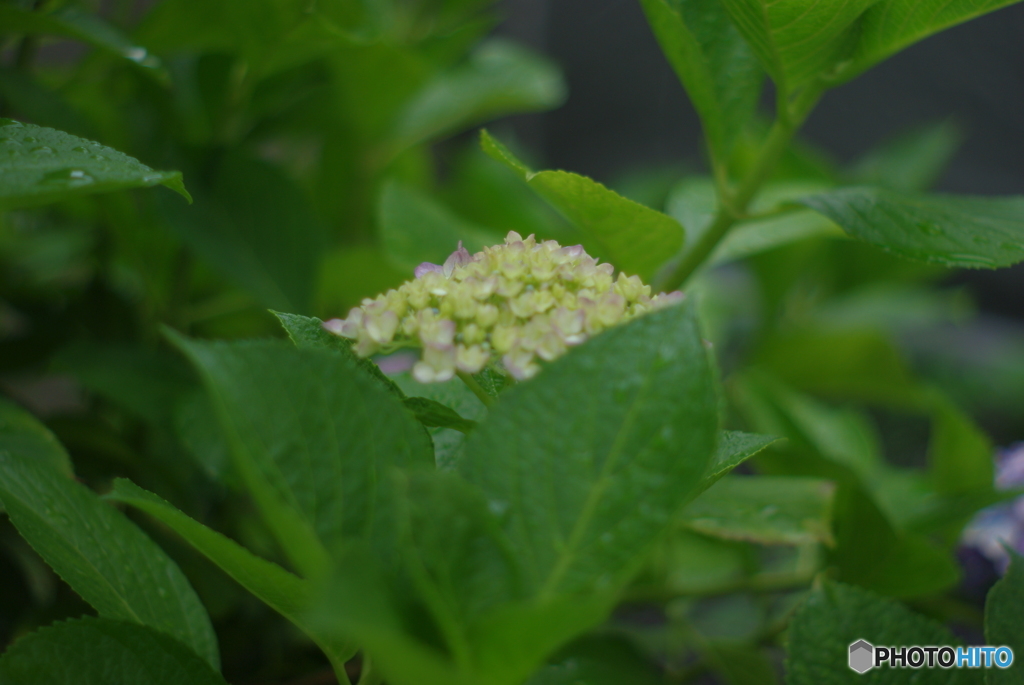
(477, 389)
(732, 209)
(368, 675)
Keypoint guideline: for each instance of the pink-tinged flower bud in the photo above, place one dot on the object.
(667, 299)
(436, 332)
(550, 347)
(437, 365)
(471, 359)
(458, 258)
(519, 362)
(381, 327)
(569, 324)
(503, 338)
(426, 268)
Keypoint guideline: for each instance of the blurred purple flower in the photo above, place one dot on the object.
(1001, 524)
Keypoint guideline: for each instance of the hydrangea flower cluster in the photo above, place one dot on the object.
(1001, 524)
(506, 306)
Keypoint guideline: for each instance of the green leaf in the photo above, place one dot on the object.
(1003, 607)
(23, 434)
(959, 453)
(693, 202)
(798, 40)
(636, 239)
(312, 437)
(254, 225)
(436, 415)
(71, 22)
(499, 78)
(100, 651)
(770, 510)
(454, 553)
(145, 382)
(955, 231)
(835, 615)
(598, 660)
(415, 228)
(913, 161)
(714, 63)
(109, 562)
(871, 553)
(629, 417)
(41, 165)
(282, 591)
(308, 332)
(734, 448)
(892, 25)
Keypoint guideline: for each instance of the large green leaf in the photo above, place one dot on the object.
(309, 332)
(714, 63)
(100, 651)
(1003, 608)
(765, 509)
(589, 462)
(313, 438)
(22, 433)
(287, 594)
(956, 231)
(798, 40)
(635, 238)
(113, 565)
(734, 448)
(892, 25)
(835, 615)
(72, 22)
(255, 226)
(499, 78)
(40, 165)
(415, 228)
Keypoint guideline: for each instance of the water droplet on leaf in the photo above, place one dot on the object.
(929, 229)
(69, 178)
(42, 150)
(79, 148)
(11, 123)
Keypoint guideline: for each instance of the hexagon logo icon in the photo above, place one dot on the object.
(862, 655)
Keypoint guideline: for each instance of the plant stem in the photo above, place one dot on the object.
(732, 208)
(368, 675)
(477, 389)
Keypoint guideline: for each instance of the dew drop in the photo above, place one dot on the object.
(13, 153)
(10, 142)
(98, 158)
(79, 148)
(42, 150)
(30, 139)
(68, 178)
(497, 507)
(1011, 247)
(11, 123)
(929, 229)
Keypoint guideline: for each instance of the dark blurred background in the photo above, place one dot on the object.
(627, 111)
